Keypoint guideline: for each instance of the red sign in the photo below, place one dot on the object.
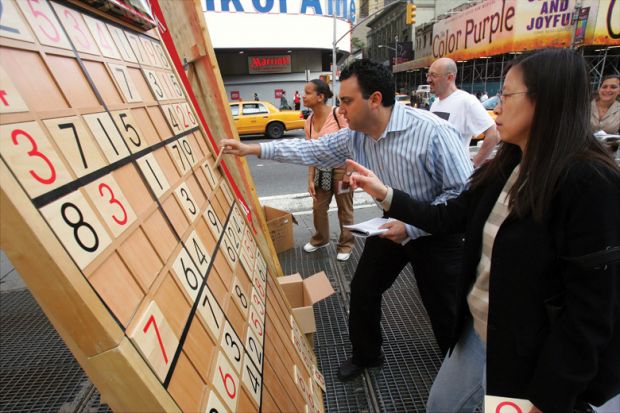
(269, 64)
(278, 93)
(234, 95)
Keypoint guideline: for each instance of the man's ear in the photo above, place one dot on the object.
(375, 99)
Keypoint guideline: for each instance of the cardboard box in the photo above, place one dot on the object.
(280, 224)
(302, 294)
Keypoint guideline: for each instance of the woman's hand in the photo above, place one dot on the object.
(535, 409)
(235, 147)
(396, 231)
(311, 189)
(361, 177)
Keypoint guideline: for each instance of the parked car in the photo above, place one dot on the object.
(254, 117)
(490, 104)
(404, 99)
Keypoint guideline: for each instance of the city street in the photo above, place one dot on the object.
(273, 178)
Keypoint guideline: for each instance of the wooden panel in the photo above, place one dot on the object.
(103, 82)
(200, 348)
(133, 241)
(157, 230)
(32, 78)
(114, 283)
(186, 386)
(72, 82)
(141, 258)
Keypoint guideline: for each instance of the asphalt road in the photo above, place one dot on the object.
(273, 178)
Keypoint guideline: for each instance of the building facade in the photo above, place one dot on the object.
(266, 47)
(483, 37)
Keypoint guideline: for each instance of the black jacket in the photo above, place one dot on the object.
(554, 321)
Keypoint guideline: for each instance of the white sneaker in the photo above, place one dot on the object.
(311, 248)
(343, 256)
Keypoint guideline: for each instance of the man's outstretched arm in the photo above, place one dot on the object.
(235, 147)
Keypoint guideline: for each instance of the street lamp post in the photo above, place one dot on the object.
(335, 41)
(395, 49)
(334, 61)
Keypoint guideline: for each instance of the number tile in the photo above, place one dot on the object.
(226, 382)
(31, 157)
(13, 25)
(77, 227)
(155, 339)
(44, 24)
(10, 99)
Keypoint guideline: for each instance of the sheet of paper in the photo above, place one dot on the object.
(368, 228)
(496, 404)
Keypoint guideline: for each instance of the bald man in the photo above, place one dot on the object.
(461, 109)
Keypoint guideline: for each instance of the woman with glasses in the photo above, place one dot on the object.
(540, 289)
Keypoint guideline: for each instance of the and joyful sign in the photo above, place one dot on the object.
(501, 26)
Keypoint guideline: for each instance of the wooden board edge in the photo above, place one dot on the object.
(50, 274)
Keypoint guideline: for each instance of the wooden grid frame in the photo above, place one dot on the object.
(126, 230)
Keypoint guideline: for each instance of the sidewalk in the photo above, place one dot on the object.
(39, 374)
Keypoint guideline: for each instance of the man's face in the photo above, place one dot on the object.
(438, 79)
(353, 106)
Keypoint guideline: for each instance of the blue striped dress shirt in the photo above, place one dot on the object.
(418, 153)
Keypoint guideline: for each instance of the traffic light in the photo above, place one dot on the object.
(410, 14)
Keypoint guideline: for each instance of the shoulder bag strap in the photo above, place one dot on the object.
(336, 117)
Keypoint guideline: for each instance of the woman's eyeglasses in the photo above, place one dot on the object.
(503, 96)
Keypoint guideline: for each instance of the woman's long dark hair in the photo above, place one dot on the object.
(557, 81)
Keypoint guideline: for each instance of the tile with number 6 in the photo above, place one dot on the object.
(226, 382)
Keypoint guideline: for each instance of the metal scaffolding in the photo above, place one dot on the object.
(485, 74)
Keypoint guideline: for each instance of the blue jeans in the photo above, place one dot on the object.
(460, 383)
(612, 406)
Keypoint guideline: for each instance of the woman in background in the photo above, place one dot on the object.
(540, 289)
(323, 184)
(605, 107)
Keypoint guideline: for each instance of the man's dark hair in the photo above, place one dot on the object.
(371, 77)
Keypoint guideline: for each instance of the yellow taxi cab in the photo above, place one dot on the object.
(404, 99)
(255, 117)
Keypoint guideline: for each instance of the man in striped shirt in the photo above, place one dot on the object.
(409, 149)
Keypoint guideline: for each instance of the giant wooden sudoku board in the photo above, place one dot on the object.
(125, 228)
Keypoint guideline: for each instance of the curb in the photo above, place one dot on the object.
(303, 201)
